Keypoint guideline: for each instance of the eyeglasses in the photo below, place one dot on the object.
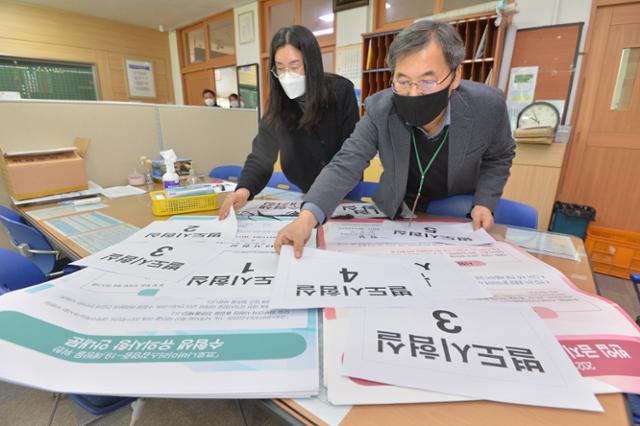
(403, 87)
(277, 72)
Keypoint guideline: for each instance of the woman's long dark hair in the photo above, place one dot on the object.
(281, 111)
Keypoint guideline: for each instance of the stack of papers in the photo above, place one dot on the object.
(122, 191)
(587, 330)
(175, 310)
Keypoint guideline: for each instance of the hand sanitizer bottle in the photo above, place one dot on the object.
(170, 177)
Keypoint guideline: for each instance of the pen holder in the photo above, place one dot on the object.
(170, 206)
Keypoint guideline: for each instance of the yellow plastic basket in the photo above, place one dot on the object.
(171, 206)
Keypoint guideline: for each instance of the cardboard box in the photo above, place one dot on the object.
(31, 174)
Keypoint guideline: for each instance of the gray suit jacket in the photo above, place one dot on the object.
(480, 152)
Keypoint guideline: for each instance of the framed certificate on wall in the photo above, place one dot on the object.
(140, 79)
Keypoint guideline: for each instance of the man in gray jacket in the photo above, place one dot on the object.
(436, 135)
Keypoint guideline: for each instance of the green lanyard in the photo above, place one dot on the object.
(423, 171)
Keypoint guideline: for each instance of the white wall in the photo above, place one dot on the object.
(540, 13)
(351, 24)
(248, 53)
(536, 13)
(176, 76)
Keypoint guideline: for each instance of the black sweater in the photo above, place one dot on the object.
(303, 153)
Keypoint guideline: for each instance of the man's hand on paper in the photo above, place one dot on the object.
(482, 217)
(235, 200)
(297, 233)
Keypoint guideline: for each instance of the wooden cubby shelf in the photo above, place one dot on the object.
(483, 50)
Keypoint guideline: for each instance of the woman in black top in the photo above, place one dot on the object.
(309, 115)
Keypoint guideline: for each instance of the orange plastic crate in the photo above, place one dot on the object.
(613, 251)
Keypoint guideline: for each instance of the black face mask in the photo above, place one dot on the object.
(422, 109)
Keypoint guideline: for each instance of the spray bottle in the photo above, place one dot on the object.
(170, 178)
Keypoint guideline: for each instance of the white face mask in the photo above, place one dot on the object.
(235, 104)
(292, 84)
(209, 102)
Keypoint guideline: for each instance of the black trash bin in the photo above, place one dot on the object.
(571, 218)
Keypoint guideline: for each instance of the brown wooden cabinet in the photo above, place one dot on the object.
(204, 46)
(483, 51)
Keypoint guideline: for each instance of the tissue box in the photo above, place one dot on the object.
(32, 174)
(183, 165)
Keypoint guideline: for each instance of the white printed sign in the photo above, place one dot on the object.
(331, 279)
(258, 234)
(445, 233)
(342, 390)
(446, 348)
(268, 208)
(169, 231)
(162, 260)
(357, 211)
(241, 282)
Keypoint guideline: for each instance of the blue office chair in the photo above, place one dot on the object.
(231, 172)
(634, 405)
(279, 180)
(362, 190)
(29, 241)
(100, 405)
(17, 272)
(507, 212)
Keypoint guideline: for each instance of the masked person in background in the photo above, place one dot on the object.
(209, 97)
(309, 115)
(437, 135)
(234, 101)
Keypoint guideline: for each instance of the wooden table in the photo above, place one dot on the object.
(136, 210)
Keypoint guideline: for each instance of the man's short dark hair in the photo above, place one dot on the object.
(205, 91)
(419, 34)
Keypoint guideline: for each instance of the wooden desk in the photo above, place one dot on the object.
(137, 211)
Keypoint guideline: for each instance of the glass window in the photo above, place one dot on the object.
(195, 46)
(627, 73)
(221, 40)
(398, 10)
(448, 5)
(317, 15)
(280, 15)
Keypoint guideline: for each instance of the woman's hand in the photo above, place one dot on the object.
(236, 200)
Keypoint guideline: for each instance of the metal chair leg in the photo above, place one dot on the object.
(244, 419)
(55, 408)
(136, 407)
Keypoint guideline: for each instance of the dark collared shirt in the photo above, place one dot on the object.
(435, 180)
